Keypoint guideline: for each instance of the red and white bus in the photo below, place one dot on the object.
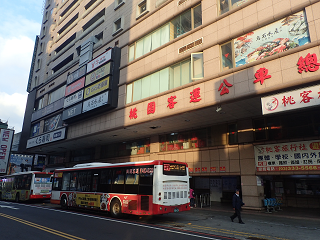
(25, 186)
(138, 188)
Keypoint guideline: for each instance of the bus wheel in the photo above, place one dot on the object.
(115, 208)
(64, 203)
(17, 198)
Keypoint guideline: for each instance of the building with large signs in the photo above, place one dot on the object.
(229, 86)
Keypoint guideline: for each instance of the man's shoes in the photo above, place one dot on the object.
(231, 219)
(241, 222)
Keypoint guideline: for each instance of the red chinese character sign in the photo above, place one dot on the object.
(224, 86)
(301, 98)
(151, 107)
(308, 64)
(195, 95)
(297, 156)
(261, 75)
(171, 102)
(133, 113)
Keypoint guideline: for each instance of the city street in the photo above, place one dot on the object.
(44, 220)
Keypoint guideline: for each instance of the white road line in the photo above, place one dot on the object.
(3, 206)
(124, 222)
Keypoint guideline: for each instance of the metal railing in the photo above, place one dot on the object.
(202, 200)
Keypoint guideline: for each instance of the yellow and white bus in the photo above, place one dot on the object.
(26, 185)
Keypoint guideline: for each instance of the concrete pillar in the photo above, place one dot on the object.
(252, 194)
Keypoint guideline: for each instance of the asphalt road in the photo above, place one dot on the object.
(42, 221)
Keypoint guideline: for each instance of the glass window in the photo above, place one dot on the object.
(83, 154)
(182, 24)
(56, 95)
(35, 129)
(39, 104)
(154, 83)
(66, 181)
(163, 80)
(84, 181)
(142, 6)
(137, 90)
(131, 53)
(197, 16)
(197, 65)
(145, 86)
(233, 133)
(184, 140)
(156, 39)
(175, 28)
(73, 181)
(129, 93)
(118, 176)
(260, 132)
(117, 25)
(226, 5)
(141, 146)
(139, 48)
(132, 176)
(227, 58)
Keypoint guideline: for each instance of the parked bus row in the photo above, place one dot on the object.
(137, 188)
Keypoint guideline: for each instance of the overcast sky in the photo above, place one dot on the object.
(20, 23)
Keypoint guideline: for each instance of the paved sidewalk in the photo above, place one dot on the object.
(286, 212)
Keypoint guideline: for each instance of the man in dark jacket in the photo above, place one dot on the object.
(237, 204)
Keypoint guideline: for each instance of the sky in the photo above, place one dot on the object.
(20, 23)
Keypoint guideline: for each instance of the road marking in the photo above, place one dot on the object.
(131, 223)
(3, 206)
(43, 228)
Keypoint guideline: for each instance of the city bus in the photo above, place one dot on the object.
(25, 186)
(137, 188)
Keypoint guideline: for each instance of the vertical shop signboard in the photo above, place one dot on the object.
(6, 137)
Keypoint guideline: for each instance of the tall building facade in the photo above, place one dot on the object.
(230, 87)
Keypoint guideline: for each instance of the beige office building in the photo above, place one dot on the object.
(230, 87)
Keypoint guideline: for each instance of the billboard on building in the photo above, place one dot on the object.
(53, 136)
(20, 163)
(96, 88)
(73, 98)
(290, 156)
(98, 74)
(305, 97)
(280, 36)
(75, 86)
(95, 102)
(99, 61)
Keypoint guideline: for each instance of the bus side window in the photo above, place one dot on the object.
(105, 180)
(57, 184)
(84, 181)
(65, 181)
(73, 181)
(28, 181)
(118, 180)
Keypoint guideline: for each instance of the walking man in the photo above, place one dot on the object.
(237, 204)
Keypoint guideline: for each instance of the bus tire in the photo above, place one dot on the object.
(64, 202)
(17, 199)
(115, 208)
